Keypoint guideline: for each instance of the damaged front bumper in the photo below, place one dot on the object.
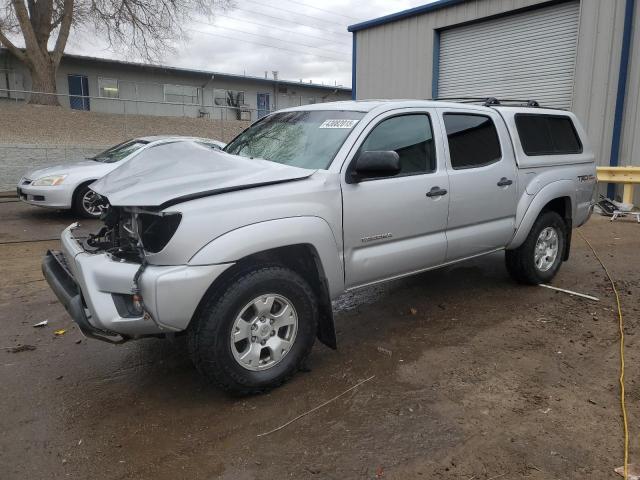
(95, 289)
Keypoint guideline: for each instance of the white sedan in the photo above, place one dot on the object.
(67, 186)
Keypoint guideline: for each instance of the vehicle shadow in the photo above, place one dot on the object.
(383, 311)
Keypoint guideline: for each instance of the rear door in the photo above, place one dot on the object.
(482, 180)
(391, 226)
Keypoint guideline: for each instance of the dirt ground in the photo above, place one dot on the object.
(475, 378)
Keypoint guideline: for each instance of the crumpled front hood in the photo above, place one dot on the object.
(171, 173)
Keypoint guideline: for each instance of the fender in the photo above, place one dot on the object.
(244, 241)
(530, 207)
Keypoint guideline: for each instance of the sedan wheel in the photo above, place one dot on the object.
(87, 203)
(91, 203)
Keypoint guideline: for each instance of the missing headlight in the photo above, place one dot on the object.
(155, 231)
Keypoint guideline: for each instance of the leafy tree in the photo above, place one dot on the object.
(145, 27)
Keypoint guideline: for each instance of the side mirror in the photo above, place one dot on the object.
(376, 164)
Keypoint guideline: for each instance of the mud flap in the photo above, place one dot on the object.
(326, 327)
(567, 247)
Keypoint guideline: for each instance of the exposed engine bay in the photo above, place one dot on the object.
(128, 234)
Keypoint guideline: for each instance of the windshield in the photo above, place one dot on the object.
(301, 139)
(117, 153)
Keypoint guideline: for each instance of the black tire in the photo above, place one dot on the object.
(210, 331)
(521, 261)
(78, 205)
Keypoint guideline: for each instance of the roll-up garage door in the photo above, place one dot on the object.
(529, 55)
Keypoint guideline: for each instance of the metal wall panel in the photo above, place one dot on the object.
(597, 67)
(528, 55)
(630, 148)
(395, 60)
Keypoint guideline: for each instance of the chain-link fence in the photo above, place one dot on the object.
(194, 108)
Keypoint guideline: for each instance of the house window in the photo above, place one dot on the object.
(228, 98)
(182, 94)
(108, 87)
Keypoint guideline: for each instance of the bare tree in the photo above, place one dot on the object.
(234, 100)
(145, 27)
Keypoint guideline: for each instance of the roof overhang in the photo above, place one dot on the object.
(411, 12)
(190, 71)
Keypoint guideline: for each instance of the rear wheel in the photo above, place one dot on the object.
(539, 258)
(257, 332)
(87, 203)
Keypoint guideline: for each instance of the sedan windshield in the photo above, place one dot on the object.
(307, 139)
(117, 153)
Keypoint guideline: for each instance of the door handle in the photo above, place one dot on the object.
(436, 192)
(504, 181)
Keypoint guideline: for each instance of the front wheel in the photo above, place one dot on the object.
(256, 333)
(539, 258)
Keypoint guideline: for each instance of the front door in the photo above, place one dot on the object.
(482, 177)
(78, 92)
(394, 226)
(263, 104)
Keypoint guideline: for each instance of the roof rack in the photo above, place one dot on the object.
(491, 101)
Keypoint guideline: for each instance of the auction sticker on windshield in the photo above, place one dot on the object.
(338, 123)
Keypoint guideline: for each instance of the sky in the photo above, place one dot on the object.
(300, 39)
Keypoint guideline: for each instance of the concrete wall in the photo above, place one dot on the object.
(33, 136)
(18, 158)
(395, 60)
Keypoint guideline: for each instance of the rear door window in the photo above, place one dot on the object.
(473, 140)
(547, 134)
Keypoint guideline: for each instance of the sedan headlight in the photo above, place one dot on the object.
(50, 181)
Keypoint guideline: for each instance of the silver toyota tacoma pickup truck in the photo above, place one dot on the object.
(244, 250)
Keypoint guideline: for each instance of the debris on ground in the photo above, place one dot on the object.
(571, 292)
(21, 348)
(41, 324)
(605, 206)
(62, 331)
(633, 471)
(316, 408)
(386, 351)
